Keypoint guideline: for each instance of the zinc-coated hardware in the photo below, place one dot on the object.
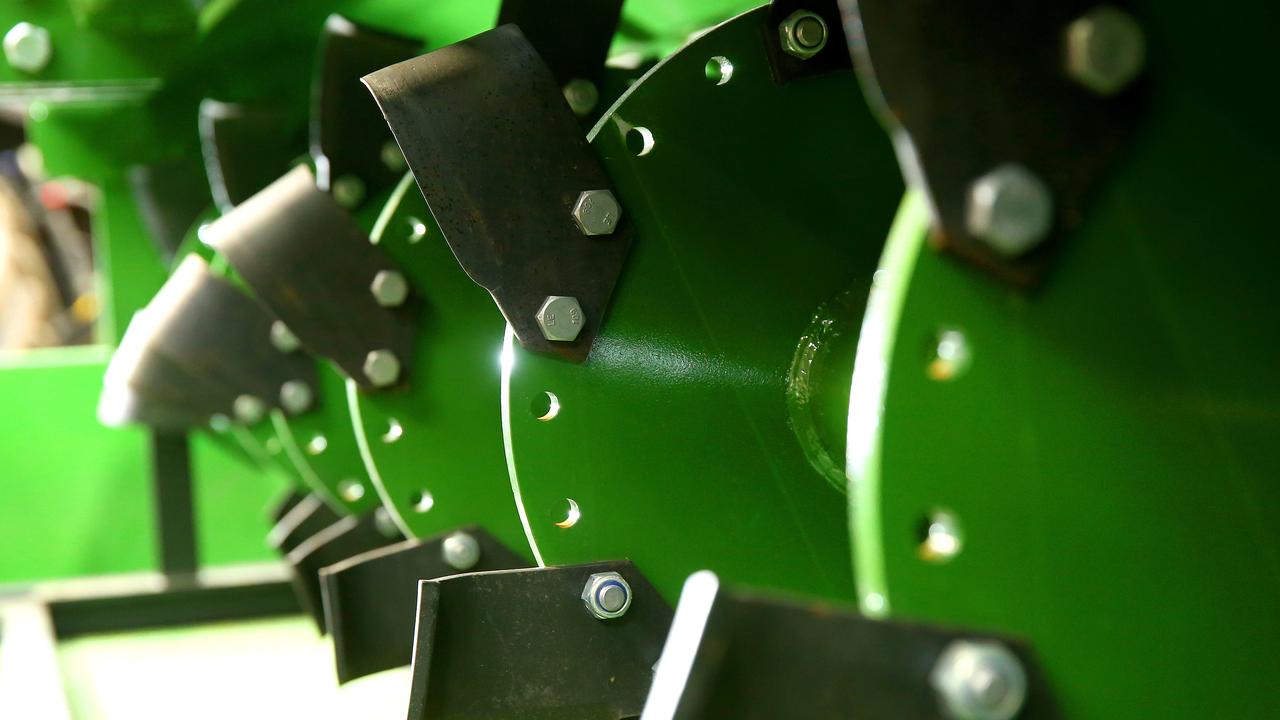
(597, 212)
(392, 158)
(1106, 49)
(389, 288)
(1010, 209)
(283, 338)
(27, 47)
(295, 396)
(803, 34)
(581, 95)
(249, 409)
(979, 681)
(348, 191)
(382, 367)
(460, 551)
(561, 318)
(607, 595)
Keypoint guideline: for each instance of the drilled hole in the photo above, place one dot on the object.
(545, 406)
(422, 501)
(394, 431)
(417, 230)
(719, 70)
(350, 490)
(572, 514)
(639, 141)
(949, 355)
(938, 536)
(317, 445)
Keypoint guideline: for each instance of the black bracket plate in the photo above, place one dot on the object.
(348, 537)
(347, 132)
(304, 519)
(521, 644)
(308, 261)
(370, 599)
(736, 654)
(245, 148)
(501, 160)
(980, 83)
(571, 36)
(202, 327)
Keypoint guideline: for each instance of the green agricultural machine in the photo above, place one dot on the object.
(592, 360)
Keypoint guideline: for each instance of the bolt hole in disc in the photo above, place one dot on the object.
(948, 355)
(545, 406)
(571, 515)
(394, 431)
(421, 501)
(719, 70)
(939, 537)
(640, 141)
(351, 490)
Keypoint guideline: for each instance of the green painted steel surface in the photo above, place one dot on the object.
(758, 206)
(434, 448)
(1110, 452)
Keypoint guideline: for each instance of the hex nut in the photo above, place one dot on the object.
(27, 47)
(283, 338)
(607, 595)
(348, 191)
(389, 288)
(597, 212)
(460, 551)
(803, 34)
(1106, 50)
(582, 96)
(561, 318)
(1010, 209)
(382, 367)
(979, 680)
(249, 409)
(295, 397)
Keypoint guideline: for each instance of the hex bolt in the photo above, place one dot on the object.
(283, 338)
(27, 47)
(392, 158)
(979, 680)
(295, 396)
(249, 409)
(348, 191)
(597, 212)
(1106, 49)
(803, 34)
(581, 95)
(382, 367)
(460, 551)
(607, 595)
(560, 318)
(389, 288)
(1010, 209)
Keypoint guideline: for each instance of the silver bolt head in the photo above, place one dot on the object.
(348, 191)
(249, 409)
(382, 367)
(389, 288)
(581, 95)
(27, 47)
(803, 34)
(561, 318)
(460, 551)
(979, 681)
(1011, 209)
(1106, 50)
(597, 212)
(283, 338)
(392, 158)
(607, 595)
(296, 397)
